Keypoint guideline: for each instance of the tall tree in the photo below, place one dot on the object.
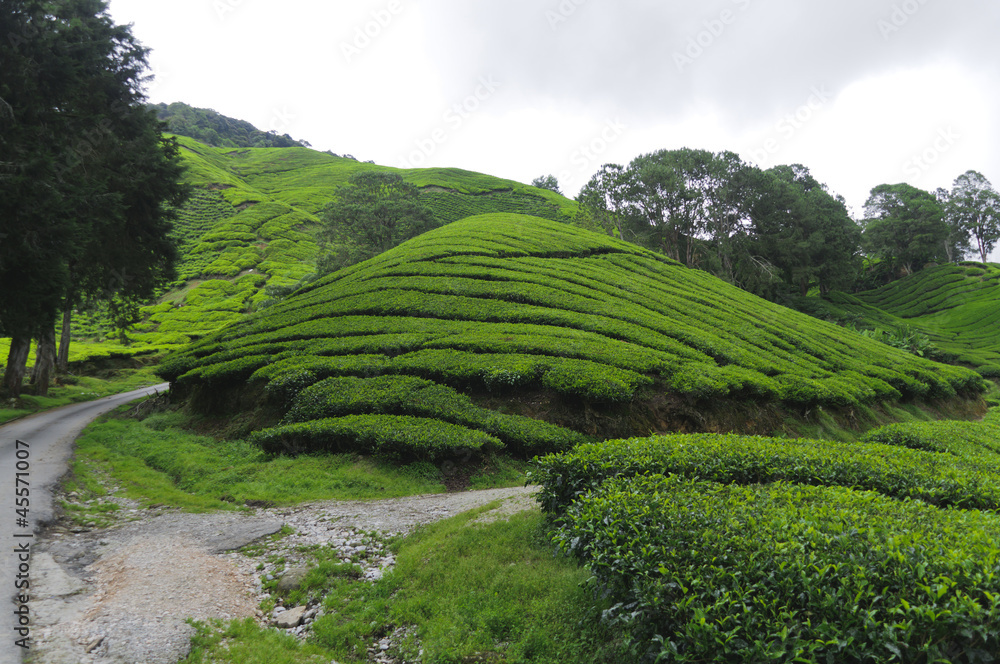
(71, 93)
(806, 232)
(375, 212)
(549, 182)
(904, 227)
(973, 207)
(605, 199)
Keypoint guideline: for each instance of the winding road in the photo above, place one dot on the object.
(32, 467)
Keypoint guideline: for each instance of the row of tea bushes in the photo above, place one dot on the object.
(783, 572)
(750, 549)
(901, 473)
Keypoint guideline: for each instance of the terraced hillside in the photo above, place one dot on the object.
(957, 306)
(464, 338)
(251, 221)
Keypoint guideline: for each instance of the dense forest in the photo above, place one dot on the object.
(780, 231)
(217, 130)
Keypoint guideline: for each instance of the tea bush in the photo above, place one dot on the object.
(708, 572)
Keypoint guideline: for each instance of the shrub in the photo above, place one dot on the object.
(941, 479)
(399, 438)
(782, 572)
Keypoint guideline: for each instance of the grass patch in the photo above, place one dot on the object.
(154, 461)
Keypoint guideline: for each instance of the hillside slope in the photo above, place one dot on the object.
(503, 313)
(956, 306)
(252, 217)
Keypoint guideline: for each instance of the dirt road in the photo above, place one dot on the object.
(32, 468)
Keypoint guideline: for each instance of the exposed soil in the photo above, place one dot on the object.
(122, 594)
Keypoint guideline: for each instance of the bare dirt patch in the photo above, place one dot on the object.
(123, 594)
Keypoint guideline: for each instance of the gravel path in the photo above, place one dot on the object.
(121, 595)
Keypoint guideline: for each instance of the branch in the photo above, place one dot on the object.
(6, 109)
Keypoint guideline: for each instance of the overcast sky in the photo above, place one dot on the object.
(863, 92)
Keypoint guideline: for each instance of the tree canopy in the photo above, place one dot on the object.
(973, 209)
(376, 211)
(88, 178)
(905, 227)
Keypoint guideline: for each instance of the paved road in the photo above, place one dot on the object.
(45, 448)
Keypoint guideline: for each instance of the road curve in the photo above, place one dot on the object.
(45, 448)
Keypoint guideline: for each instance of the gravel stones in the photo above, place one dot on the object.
(121, 595)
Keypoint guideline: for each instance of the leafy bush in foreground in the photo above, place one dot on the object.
(705, 572)
(941, 479)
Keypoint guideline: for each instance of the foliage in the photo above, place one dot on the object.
(973, 208)
(83, 163)
(710, 572)
(217, 130)
(374, 213)
(546, 182)
(932, 477)
(905, 227)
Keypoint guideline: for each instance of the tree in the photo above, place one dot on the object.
(547, 182)
(806, 232)
(80, 157)
(375, 212)
(904, 227)
(604, 199)
(973, 208)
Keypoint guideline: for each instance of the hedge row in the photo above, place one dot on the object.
(493, 372)
(966, 439)
(705, 572)
(404, 395)
(939, 479)
(394, 437)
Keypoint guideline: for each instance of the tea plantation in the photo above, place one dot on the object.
(251, 220)
(748, 549)
(509, 332)
(954, 305)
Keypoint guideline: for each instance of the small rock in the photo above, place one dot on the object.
(93, 645)
(290, 618)
(292, 579)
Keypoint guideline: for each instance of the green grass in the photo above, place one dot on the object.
(493, 592)
(157, 462)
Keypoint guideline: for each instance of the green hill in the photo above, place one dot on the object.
(251, 221)
(956, 306)
(213, 128)
(496, 322)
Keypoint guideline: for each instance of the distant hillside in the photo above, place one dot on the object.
(251, 221)
(501, 315)
(217, 130)
(956, 306)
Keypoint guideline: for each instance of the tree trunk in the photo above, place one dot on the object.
(45, 361)
(17, 360)
(62, 359)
